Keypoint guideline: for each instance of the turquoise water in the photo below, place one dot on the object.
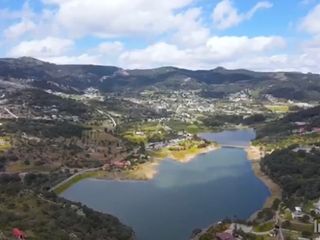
(183, 196)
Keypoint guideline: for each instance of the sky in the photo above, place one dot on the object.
(273, 35)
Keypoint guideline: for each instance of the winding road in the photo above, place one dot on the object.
(109, 116)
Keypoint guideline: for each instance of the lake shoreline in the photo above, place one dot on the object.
(148, 170)
(254, 155)
(142, 172)
(151, 169)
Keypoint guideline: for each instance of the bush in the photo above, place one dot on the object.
(286, 224)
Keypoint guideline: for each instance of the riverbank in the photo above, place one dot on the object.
(142, 172)
(255, 154)
(148, 171)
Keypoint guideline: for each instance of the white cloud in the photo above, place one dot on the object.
(107, 52)
(191, 31)
(216, 51)
(16, 30)
(43, 48)
(24, 12)
(79, 59)
(109, 48)
(59, 50)
(225, 15)
(114, 18)
(157, 54)
(310, 23)
(232, 46)
(305, 59)
(307, 2)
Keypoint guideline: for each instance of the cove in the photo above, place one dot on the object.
(182, 196)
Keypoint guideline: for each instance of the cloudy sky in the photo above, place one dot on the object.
(258, 35)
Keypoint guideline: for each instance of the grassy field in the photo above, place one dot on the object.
(267, 226)
(154, 131)
(301, 227)
(183, 150)
(179, 126)
(4, 144)
(278, 108)
(145, 132)
(16, 167)
(287, 215)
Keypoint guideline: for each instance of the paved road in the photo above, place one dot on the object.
(11, 113)
(109, 116)
(73, 176)
(279, 223)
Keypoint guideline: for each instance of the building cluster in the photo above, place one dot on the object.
(15, 111)
(187, 106)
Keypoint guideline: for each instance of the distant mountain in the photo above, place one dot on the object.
(30, 72)
(65, 78)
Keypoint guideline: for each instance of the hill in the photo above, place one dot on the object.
(29, 72)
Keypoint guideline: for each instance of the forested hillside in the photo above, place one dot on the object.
(42, 215)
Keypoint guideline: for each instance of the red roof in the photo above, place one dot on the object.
(17, 233)
(119, 164)
(225, 236)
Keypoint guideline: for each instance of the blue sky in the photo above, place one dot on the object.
(260, 35)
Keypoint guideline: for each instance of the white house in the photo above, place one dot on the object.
(297, 213)
(317, 207)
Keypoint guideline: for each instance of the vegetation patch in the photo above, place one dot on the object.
(183, 149)
(278, 108)
(42, 215)
(288, 141)
(147, 132)
(5, 143)
(267, 226)
(296, 170)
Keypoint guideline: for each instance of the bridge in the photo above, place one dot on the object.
(232, 146)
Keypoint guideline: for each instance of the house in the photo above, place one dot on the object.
(317, 207)
(139, 133)
(301, 130)
(121, 164)
(300, 124)
(18, 234)
(316, 130)
(301, 148)
(297, 213)
(224, 236)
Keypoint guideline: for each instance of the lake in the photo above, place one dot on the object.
(182, 196)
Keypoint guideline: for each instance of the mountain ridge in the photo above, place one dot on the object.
(73, 78)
